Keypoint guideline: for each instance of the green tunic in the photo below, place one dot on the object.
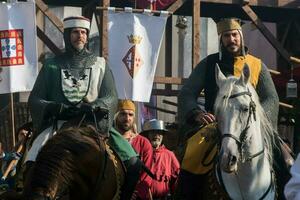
(120, 145)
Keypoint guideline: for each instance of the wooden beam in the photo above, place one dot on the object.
(287, 30)
(196, 33)
(274, 72)
(268, 35)
(159, 92)
(88, 10)
(170, 102)
(181, 81)
(48, 42)
(285, 105)
(177, 4)
(295, 60)
(103, 29)
(168, 50)
(164, 92)
(265, 3)
(134, 10)
(160, 109)
(169, 80)
(52, 17)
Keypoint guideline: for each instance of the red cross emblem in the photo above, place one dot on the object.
(133, 61)
(11, 47)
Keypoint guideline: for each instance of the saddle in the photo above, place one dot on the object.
(201, 150)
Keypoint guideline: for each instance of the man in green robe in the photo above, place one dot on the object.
(78, 85)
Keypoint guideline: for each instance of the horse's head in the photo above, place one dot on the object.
(236, 115)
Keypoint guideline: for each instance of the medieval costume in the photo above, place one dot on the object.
(71, 85)
(166, 169)
(203, 77)
(165, 165)
(143, 147)
(138, 180)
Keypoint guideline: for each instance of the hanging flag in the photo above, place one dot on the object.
(134, 44)
(18, 50)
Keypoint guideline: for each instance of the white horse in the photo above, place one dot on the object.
(245, 162)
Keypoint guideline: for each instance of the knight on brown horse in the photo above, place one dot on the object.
(75, 164)
(78, 87)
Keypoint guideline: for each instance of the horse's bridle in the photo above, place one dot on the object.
(242, 139)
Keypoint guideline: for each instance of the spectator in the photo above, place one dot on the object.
(165, 165)
(124, 123)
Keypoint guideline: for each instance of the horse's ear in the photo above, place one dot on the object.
(219, 75)
(246, 74)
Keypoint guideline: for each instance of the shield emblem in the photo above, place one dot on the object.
(75, 84)
(133, 61)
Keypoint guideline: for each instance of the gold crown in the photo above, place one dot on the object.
(134, 39)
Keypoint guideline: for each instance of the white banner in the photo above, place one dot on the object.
(18, 49)
(134, 44)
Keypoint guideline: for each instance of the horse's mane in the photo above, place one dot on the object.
(268, 131)
(57, 159)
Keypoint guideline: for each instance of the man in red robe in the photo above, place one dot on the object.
(124, 123)
(165, 165)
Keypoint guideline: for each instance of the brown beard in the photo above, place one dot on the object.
(239, 52)
(123, 127)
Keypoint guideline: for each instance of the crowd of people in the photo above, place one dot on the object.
(79, 86)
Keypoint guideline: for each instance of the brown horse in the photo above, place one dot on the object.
(75, 164)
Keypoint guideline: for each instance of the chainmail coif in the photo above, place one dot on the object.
(74, 58)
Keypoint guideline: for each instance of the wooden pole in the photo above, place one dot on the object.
(295, 60)
(265, 31)
(135, 10)
(196, 33)
(19, 150)
(12, 117)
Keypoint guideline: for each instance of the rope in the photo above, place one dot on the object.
(111, 155)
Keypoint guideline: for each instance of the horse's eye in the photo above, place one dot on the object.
(245, 109)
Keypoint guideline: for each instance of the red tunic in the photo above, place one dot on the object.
(166, 169)
(144, 148)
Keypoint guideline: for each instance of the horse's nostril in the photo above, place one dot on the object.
(233, 160)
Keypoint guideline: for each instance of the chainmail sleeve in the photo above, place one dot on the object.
(107, 98)
(268, 96)
(37, 101)
(187, 99)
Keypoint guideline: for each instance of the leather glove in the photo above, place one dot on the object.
(86, 108)
(59, 109)
(53, 108)
(12, 156)
(68, 112)
(102, 113)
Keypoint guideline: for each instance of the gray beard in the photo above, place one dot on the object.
(79, 47)
(155, 144)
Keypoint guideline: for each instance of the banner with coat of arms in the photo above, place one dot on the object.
(18, 49)
(134, 44)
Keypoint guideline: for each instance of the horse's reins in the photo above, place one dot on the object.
(242, 139)
(98, 138)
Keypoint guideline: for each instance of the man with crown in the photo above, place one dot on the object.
(231, 58)
(78, 86)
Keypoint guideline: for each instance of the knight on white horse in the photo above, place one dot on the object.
(232, 57)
